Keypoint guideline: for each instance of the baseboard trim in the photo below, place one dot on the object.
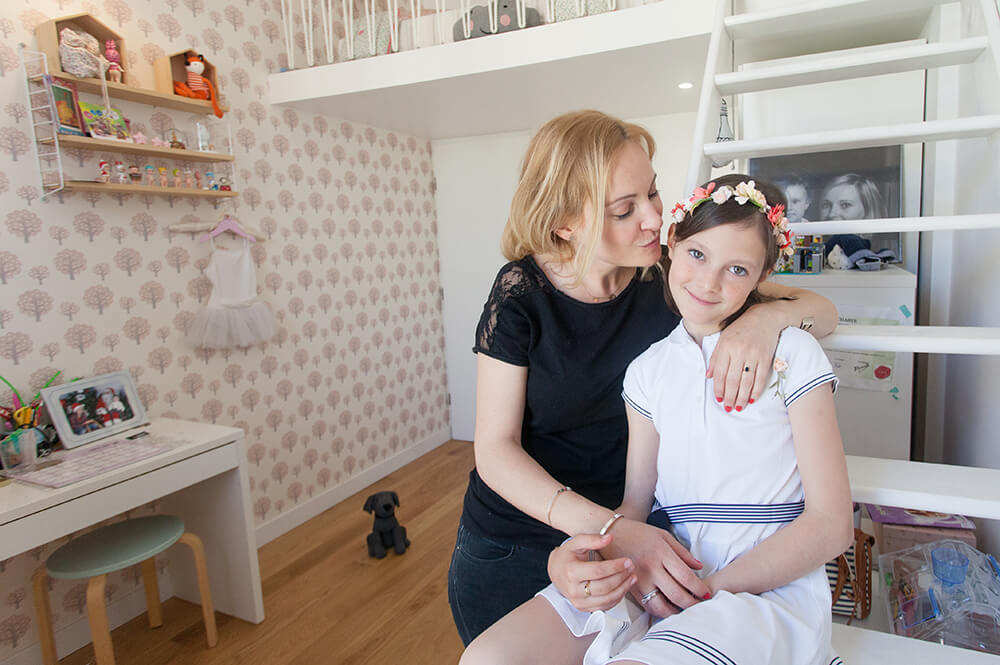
(271, 529)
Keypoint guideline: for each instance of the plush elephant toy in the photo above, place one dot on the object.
(386, 532)
(479, 21)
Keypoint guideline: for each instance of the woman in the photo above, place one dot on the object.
(581, 297)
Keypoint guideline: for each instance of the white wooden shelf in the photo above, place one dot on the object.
(899, 224)
(916, 339)
(947, 488)
(821, 16)
(860, 646)
(626, 62)
(864, 137)
(838, 66)
(889, 277)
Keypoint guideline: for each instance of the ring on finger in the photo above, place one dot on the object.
(586, 588)
(746, 368)
(649, 596)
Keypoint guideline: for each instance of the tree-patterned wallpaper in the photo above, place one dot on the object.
(92, 283)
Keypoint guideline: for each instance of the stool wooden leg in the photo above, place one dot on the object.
(207, 609)
(149, 582)
(47, 642)
(104, 652)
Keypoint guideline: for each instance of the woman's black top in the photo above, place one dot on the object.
(574, 417)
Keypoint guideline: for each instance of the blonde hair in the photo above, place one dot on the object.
(567, 165)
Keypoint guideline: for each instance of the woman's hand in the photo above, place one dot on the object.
(747, 342)
(660, 563)
(590, 585)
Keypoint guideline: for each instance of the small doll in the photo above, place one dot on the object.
(104, 172)
(197, 179)
(121, 177)
(224, 184)
(210, 180)
(188, 178)
(115, 72)
(150, 175)
(134, 175)
(163, 177)
(177, 177)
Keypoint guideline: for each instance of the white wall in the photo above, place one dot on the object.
(476, 177)
(971, 418)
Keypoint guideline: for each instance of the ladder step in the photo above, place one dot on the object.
(899, 224)
(864, 137)
(948, 488)
(851, 64)
(916, 339)
(820, 16)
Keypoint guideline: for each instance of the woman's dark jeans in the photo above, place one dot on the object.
(488, 579)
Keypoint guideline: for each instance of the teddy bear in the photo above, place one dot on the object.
(386, 531)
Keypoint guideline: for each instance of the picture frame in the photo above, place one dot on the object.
(862, 183)
(66, 106)
(95, 408)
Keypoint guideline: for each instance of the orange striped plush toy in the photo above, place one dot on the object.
(198, 86)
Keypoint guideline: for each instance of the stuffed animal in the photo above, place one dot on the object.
(198, 86)
(478, 20)
(386, 532)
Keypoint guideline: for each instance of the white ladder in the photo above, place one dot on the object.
(43, 121)
(947, 488)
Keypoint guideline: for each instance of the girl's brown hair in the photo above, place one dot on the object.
(709, 215)
(568, 164)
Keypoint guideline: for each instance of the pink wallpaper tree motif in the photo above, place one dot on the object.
(91, 283)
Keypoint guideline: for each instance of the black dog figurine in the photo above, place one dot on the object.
(386, 531)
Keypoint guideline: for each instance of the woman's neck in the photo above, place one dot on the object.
(597, 285)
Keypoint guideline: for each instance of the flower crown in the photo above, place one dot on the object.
(743, 192)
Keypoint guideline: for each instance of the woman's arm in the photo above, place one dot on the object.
(825, 529)
(750, 341)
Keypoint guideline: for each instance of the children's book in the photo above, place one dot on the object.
(105, 123)
(893, 515)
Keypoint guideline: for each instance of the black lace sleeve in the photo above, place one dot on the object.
(504, 330)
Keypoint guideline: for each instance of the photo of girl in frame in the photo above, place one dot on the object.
(66, 107)
(95, 408)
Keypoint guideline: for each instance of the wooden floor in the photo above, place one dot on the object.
(325, 600)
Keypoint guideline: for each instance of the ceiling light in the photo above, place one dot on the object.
(686, 85)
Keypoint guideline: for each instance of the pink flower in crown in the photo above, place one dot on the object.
(776, 215)
(722, 195)
(780, 365)
(747, 191)
(678, 212)
(703, 192)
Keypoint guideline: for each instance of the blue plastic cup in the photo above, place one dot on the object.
(950, 566)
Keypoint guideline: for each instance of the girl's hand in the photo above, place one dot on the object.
(747, 342)
(574, 573)
(660, 563)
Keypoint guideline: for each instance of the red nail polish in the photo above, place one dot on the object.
(718, 399)
(751, 400)
(739, 408)
(728, 409)
(707, 596)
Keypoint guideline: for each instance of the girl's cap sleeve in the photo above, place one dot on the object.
(635, 386)
(504, 330)
(800, 365)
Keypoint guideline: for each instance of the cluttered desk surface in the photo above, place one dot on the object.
(178, 440)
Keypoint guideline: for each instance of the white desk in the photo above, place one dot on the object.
(202, 479)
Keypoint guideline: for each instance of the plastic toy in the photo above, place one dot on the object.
(177, 177)
(150, 174)
(104, 172)
(121, 177)
(224, 184)
(386, 532)
(134, 174)
(198, 86)
(164, 181)
(945, 592)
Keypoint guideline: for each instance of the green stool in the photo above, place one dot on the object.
(105, 550)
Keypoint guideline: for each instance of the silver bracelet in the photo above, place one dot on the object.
(611, 520)
(552, 502)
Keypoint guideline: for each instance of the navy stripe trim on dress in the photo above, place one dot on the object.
(819, 380)
(643, 412)
(837, 661)
(692, 644)
(733, 513)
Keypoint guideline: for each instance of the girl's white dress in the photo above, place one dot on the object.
(233, 315)
(726, 481)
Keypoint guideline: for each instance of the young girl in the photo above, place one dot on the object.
(759, 496)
